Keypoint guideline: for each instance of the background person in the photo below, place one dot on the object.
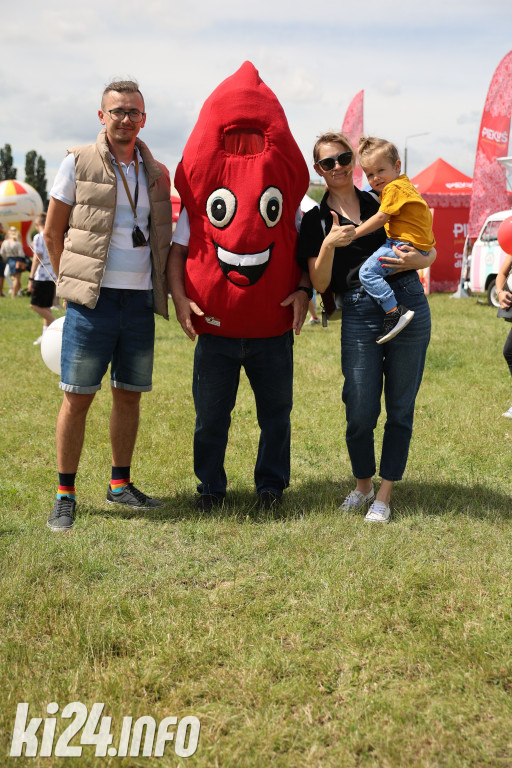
(12, 250)
(42, 279)
(3, 262)
(313, 317)
(505, 300)
(334, 258)
(108, 234)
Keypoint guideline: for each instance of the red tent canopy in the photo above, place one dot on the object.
(447, 192)
(443, 185)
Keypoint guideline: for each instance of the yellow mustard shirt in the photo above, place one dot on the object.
(411, 220)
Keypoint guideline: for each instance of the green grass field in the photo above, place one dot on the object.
(298, 638)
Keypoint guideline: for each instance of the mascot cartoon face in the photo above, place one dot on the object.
(241, 180)
(221, 208)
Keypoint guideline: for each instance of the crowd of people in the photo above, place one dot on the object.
(108, 237)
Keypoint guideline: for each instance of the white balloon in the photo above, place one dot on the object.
(51, 345)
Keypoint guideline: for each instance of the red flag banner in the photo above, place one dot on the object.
(353, 129)
(489, 177)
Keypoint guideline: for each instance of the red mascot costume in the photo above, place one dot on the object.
(241, 181)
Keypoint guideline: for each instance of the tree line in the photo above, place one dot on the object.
(35, 170)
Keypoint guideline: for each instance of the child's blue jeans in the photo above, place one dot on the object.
(373, 272)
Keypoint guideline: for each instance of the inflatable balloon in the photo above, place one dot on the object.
(51, 345)
(505, 235)
(19, 205)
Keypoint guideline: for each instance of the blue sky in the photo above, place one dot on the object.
(424, 67)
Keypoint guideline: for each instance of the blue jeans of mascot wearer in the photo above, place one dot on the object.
(397, 366)
(268, 364)
(373, 272)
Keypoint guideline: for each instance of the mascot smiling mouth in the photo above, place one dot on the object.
(243, 269)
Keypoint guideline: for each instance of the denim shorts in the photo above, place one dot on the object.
(119, 331)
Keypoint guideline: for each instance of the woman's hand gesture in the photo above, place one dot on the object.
(339, 236)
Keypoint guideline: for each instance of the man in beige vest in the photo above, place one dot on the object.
(108, 235)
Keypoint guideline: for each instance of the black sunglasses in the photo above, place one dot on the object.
(328, 163)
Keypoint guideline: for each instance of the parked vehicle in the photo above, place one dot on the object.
(487, 257)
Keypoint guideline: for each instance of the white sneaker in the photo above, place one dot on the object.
(356, 500)
(378, 513)
(508, 414)
(38, 341)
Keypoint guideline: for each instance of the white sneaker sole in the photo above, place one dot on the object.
(404, 320)
(375, 519)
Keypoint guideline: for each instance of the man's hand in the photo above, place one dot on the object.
(185, 311)
(299, 301)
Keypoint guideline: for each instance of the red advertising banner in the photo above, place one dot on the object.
(353, 129)
(489, 177)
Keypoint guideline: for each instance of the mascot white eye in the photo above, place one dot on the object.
(221, 207)
(271, 206)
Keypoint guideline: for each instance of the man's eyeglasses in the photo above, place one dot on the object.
(329, 163)
(119, 114)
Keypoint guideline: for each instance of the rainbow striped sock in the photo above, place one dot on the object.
(118, 485)
(66, 490)
(120, 478)
(66, 485)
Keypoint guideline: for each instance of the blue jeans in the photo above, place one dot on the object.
(268, 364)
(373, 272)
(119, 331)
(397, 366)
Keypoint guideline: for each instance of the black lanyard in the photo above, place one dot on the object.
(138, 238)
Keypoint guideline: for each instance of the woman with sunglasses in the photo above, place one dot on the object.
(327, 247)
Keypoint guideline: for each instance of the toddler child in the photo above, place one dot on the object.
(406, 219)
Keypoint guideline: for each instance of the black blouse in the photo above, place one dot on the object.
(348, 260)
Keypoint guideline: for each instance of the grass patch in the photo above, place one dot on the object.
(299, 637)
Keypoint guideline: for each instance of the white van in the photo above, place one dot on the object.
(487, 257)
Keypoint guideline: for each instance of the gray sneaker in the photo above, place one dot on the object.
(63, 514)
(132, 497)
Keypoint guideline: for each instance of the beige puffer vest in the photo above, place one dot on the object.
(92, 220)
